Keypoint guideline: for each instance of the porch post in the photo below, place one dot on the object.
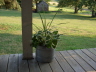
(27, 28)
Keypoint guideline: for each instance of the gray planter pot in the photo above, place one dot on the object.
(44, 54)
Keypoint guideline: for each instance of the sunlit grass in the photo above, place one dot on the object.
(78, 30)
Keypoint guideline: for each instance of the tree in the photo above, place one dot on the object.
(19, 1)
(1, 3)
(91, 4)
(76, 3)
(10, 4)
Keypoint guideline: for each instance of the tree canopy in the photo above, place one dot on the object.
(91, 4)
(10, 4)
(76, 3)
(1, 3)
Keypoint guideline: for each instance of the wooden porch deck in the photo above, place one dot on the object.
(81, 60)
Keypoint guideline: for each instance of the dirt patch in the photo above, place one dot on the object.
(4, 27)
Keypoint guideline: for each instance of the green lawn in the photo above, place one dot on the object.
(78, 30)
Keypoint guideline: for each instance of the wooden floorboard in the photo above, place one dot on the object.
(63, 63)
(81, 60)
(55, 66)
(13, 63)
(86, 58)
(45, 67)
(3, 63)
(33, 66)
(92, 50)
(72, 62)
(92, 56)
(23, 64)
(83, 63)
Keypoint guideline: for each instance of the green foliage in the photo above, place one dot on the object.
(40, 0)
(11, 4)
(91, 4)
(19, 1)
(54, 3)
(1, 3)
(76, 3)
(64, 3)
(45, 36)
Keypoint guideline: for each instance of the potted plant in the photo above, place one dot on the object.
(45, 41)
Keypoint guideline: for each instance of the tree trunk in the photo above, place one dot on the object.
(76, 10)
(7, 4)
(12, 4)
(93, 13)
(36, 6)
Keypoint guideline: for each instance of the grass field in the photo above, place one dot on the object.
(78, 30)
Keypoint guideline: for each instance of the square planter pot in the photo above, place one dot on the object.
(44, 54)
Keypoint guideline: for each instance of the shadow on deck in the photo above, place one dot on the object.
(81, 60)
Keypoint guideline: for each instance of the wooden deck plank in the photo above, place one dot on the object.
(92, 56)
(86, 66)
(92, 50)
(33, 66)
(86, 58)
(3, 62)
(13, 63)
(63, 63)
(45, 67)
(55, 66)
(83, 60)
(72, 62)
(23, 64)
